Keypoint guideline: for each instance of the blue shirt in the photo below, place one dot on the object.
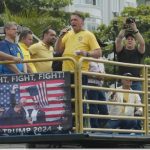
(11, 49)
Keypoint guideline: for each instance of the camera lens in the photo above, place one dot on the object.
(130, 20)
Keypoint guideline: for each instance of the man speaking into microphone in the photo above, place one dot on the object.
(77, 43)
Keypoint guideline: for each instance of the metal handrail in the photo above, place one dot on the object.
(75, 100)
(144, 92)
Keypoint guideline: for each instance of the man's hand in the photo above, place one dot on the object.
(133, 26)
(138, 113)
(82, 53)
(64, 31)
(17, 59)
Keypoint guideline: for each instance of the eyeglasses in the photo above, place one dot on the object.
(13, 29)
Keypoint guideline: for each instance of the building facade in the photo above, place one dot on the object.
(145, 2)
(101, 11)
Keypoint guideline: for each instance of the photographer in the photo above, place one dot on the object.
(129, 52)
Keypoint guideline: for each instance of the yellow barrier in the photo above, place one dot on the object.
(79, 101)
(144, 92)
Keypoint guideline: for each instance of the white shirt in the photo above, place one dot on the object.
(98, 68)
(124, 110)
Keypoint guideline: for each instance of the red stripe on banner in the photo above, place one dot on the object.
(53, 88)
(56, 102)
(32, 125)
(55, 115)
(52, 109)
(56, 95)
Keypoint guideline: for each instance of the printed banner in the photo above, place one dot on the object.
(35, 103)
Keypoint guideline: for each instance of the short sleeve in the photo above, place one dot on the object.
(93, 42)
(4, 47)
(33, 49)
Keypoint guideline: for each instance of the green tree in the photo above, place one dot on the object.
(39, 17)
(17, 6)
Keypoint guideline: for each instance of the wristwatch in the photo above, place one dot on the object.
(87, 54)
(135, 32)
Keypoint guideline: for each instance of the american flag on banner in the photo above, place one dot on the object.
(49, 95)
(39, 93)
(41, 103)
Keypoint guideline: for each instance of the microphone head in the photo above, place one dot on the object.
(69, 28)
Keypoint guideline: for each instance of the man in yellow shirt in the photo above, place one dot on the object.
(25, 40)
(44, 49)
(77, 42)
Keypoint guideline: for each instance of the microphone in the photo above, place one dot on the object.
(66, 30)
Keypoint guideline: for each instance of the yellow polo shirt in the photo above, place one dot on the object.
(84, 40)
(26, 55)
(40, 50)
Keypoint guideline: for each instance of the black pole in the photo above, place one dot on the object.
(115, 32)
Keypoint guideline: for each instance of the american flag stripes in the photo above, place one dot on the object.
(39, 94)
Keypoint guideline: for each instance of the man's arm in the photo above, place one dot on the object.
(13, 68)
(118, 42)
(4, 56)
(139, 38)
(59, 46)
(96, 53)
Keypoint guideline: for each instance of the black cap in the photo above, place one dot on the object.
(128, 74)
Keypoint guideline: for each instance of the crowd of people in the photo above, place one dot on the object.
(76, 42)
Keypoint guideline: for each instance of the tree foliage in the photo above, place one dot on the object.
(35, 15)
(17, 6)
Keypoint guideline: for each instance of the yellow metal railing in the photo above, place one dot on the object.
(148, 97)
(78, 100)
(144, 94)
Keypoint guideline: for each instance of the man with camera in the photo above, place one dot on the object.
(130, 52)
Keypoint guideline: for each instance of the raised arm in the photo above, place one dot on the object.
(118, 42)
(59, 46)
(139, 38)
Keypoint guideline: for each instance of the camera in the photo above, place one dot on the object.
(130, 20)
(126, 26)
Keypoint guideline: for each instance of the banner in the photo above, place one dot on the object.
(35, 103)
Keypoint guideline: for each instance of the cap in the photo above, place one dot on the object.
(129, 34)
(128, 74)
